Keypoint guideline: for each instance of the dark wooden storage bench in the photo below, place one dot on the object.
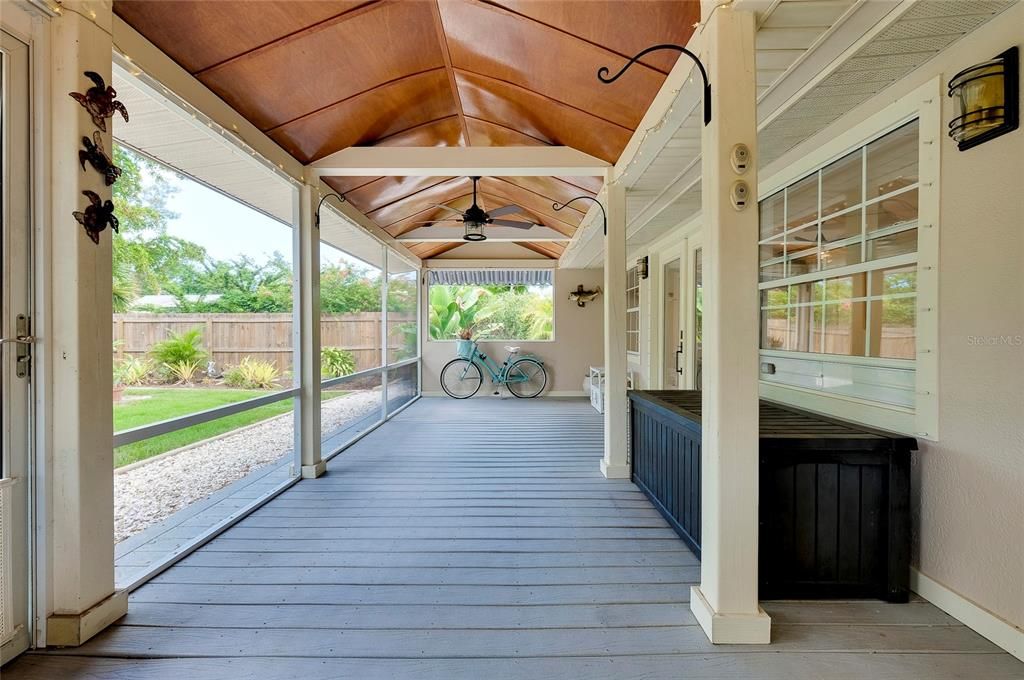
(834, 496)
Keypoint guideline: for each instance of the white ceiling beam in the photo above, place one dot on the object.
(444, 161)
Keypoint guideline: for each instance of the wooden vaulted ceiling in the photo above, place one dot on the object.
(320, 76)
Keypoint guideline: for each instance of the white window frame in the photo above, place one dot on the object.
(633, 271)
(922, 103)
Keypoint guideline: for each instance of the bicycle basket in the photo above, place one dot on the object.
(465, 348)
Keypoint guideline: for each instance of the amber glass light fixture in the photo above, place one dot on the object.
(987, 99)
(474, 231)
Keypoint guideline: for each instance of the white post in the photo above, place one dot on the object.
(306, 334)
(614, 465)
(80, 490)
(384, 332)
(725, 603)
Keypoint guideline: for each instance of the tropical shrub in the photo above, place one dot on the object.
(183, 372)
(132, 371)
(336, 362)
(457, 308)
(252, 374)
(180, 348)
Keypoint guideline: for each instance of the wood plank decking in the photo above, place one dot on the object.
(478, 540)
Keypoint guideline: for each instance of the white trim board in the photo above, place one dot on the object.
(506, 395)
(998, 630)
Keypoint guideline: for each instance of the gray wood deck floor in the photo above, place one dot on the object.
(478, 540)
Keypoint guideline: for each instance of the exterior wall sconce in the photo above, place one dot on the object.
(641, 267)
(988, 100)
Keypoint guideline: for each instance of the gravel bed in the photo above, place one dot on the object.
(152, 492)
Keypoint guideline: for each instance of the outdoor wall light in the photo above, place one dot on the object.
(641, 267)
(987, 100)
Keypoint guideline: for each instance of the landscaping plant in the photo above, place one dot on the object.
(252, 374)
(180, 347)
(336, 362)
(132, 371)
(182, 372)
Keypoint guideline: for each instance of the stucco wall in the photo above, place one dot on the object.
(577, 346)
(968, 488)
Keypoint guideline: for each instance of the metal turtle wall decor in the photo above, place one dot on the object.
(100, 101)
(98, 214)
(98, 158)
(581, 297)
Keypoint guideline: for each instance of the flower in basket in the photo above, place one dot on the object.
(466, 334)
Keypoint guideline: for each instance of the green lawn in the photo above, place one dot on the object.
(170, 402)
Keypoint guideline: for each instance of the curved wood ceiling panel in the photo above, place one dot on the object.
(518, 51)
(369, 116)
(386, 190)
(199, 35)
(486, 133)
(329, 63)
(664, 21)
(320, 76)
(540, 117)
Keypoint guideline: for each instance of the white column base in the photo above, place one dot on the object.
(71, 630)
(612, 471)
(730, 629)
(315, 470)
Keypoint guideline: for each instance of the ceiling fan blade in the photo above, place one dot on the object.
(448, 208)
(507, 210)
(513, 223)
(443, 219)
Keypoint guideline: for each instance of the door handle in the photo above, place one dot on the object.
(679, 353)
(20, 339)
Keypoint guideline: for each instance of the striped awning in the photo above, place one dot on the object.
(459, 277)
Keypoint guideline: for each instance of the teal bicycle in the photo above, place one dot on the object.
(461, 378)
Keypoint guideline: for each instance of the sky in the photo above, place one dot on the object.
(228, 229)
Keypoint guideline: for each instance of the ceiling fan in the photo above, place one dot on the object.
(476, 217)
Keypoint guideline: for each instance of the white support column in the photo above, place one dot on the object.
(725, 603)
(306, 334)
(385, 263)
(80, 490)
(614, 464)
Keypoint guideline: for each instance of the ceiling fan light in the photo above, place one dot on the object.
(474, 232)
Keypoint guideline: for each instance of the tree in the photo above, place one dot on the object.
(146, 259)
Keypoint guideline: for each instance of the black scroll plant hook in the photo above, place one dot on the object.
(604, 215)
(318, 206)
(602, 73)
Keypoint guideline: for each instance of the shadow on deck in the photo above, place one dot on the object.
(478, 539)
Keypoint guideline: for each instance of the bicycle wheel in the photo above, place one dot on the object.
(461, 379)
(526, 378)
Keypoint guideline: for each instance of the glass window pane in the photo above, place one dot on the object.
(892, 161)
(348, 408)
(841, 257)
(772, 214)
(894, 280)
(802, 293)
(899, 243)
(801, 240)
(775, 297)
(893, 328)
(350, 313)
(802, 202)
(774, 328)
(891, 211)
(773, 249)
(804, 264)
(773, 272)
(845, 328)
(402, 385)
(841, 227)
(846, 287)
(841, 184)
(403, 290)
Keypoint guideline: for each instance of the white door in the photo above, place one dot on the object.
(693, 313)
(15, 367)
(673, 361)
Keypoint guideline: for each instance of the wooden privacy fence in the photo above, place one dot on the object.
(229, 338)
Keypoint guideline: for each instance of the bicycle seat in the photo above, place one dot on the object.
(512, 350)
